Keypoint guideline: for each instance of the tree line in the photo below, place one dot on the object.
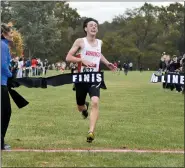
(139, 35)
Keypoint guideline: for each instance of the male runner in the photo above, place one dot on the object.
(88, 60)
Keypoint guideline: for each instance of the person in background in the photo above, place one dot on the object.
(58, 66)
(6, 37)
(130, 66)
(53, 66)
(126, 68)
(63, 66)
(24, 67)
(14, 67)
(20, 68)
(162, 64)
(167, 60)
(73, 67)
(33, 65)
(27, 65)
(119, 67)
(182, 63)
(174, 66)
(45, 66)
(140, 68)
(39, 67)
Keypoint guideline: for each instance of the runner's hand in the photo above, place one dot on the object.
(111, 66)
(87, 63)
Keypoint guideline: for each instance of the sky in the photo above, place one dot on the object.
(106, 11)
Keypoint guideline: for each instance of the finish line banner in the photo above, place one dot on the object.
(59, 80)
(87, 78)
(171, 78)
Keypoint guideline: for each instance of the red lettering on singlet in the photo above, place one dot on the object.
(93, 53)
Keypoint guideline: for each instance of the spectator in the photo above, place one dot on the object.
(130, 66)
(119, 66)
(20, 68)
(39, 67)
(28, 66)
(126, 68)
(14, 67)
(45, 66)
(140, 68)
(6, 37)
(34, 65)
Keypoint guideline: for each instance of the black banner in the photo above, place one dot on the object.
(171, 78)
(87, 77)
(59, 80)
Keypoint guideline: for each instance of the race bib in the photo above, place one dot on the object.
(88, 69)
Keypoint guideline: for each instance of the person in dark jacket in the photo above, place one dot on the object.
(126, 67)
(6, 37)
(162, 64)
(27, 65)
(45, 66)
(14, 67)
(175, 67)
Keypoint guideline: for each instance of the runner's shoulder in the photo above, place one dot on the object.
(101, 41)
(79, 40)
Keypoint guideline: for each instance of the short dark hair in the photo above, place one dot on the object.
(4, 29)
(86, 21)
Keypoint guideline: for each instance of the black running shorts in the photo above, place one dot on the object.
(83, 88)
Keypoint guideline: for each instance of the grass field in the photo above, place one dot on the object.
(134, 114)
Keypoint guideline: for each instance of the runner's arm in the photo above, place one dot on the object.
(104, 60)
(107, 63)
(70, 56)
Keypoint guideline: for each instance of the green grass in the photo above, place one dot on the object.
(134, 113)
(92, 160)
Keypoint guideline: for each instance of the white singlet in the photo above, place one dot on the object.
(91, 54)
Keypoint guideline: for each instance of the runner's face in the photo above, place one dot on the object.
(92, 28)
